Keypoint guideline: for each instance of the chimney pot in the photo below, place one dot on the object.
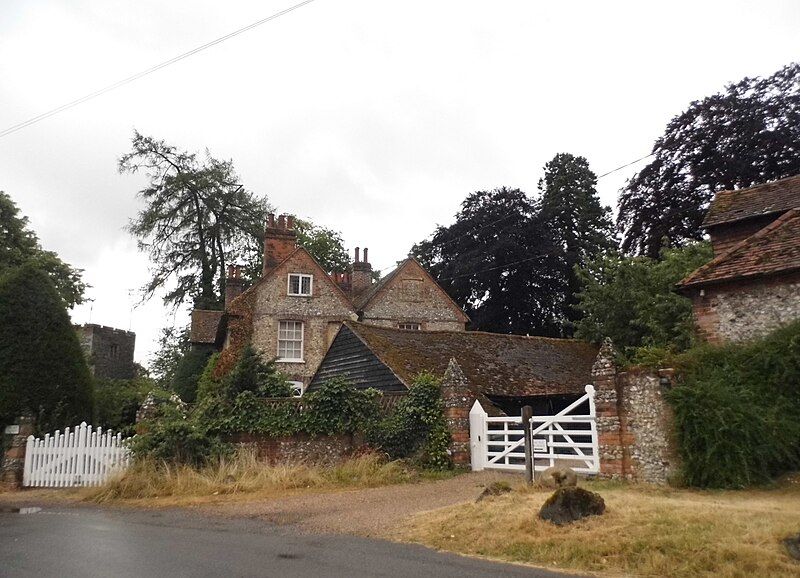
(271, 220)
(357, 259)
(282, 222)
(366, 260)
(290, 222)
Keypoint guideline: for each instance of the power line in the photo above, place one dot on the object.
(138, 75)
(625, 166)
(489, 269)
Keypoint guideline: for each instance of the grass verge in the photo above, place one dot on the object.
(244, 475)
(645, 531)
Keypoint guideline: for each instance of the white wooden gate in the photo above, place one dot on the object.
(81, 457)
(567, 438)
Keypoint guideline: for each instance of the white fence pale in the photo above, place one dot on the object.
(81, 457)
(566, 438)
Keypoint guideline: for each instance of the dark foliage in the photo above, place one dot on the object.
(188, 372)
(19, 245)
(416, 428)
(254, 375)
(173, 344)
(737, 411)
(497, 261)
(580, 227)
(42, 368)
(747, 135)
(116, 402)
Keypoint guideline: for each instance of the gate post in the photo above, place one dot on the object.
(477, 437)
(527, 414)
(14, 462)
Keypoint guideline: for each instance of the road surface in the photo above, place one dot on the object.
(64, 541)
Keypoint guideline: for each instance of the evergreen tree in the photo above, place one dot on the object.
(253, 374)
(498, 263)
(580, 226)
(20, 245)
(747, 135)
(42, 368)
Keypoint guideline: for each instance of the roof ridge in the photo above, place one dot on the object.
(713, 218)
(744, 243)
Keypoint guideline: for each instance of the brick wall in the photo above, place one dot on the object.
(745, 309)
(458, 400)
(13, 460)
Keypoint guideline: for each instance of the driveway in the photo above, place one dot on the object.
(121, 543)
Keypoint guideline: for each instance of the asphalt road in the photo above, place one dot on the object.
(114, 543)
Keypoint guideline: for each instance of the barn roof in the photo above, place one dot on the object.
(768, 198)
(495, 364)
(772, 250)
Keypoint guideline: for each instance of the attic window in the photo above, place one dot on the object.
(409, 326)
(299, 284)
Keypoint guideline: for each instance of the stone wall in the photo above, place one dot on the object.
(412, 296)
(108, 351)
(325, 450)
(746, 309)
(648, 418)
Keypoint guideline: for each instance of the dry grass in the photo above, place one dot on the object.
(242, 475)
(645, 532)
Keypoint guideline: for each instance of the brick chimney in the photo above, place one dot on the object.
(233, 284)
(362, 273)
(280, 239)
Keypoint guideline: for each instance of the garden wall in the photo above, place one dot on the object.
(302, 447)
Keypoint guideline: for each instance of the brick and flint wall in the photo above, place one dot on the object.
(745, 309)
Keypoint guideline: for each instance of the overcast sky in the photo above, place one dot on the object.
(374, 118)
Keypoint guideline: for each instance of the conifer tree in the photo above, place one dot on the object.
(42, 367)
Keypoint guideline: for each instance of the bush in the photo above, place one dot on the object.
(252, 374)
(116, 402)
(737, 410)
(416, 428)
(187, 373)
(42, 368)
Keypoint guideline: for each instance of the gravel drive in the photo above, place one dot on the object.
(370, 512)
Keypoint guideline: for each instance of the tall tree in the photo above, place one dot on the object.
(581, 228)
(197, 218)
(497, 262)
(43, 371)
(326, 245)
(19, 245)
(746, 135)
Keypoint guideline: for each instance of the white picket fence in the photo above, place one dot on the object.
(566, 438)
(80, 457)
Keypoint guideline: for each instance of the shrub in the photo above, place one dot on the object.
(252, 374)
(116, 402)
(42, 367)
(737, 410)
(416, 428)
(187, 373)
(338, 407)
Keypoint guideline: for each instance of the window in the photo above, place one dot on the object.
(297, 388)
(290, 341)
(409, 326)
(113, 351)
(300, 284)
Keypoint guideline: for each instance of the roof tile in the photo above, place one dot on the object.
(774, 197)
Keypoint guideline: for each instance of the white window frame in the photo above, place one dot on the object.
(300, 277)
(402, 326)
(297, 388)
(302, 342)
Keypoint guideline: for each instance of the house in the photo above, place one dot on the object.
(504, 372)
(752, 285)
(294, 310)
(108, 351)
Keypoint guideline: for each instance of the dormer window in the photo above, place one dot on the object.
(409, 326)
(300, 285)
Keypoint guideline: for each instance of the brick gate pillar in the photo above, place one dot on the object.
(458, 399)
(14, 459)
(613, 452)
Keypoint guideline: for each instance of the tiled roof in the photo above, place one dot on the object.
(500, 365)
(205, 326)
(774, 249)
(774, 197)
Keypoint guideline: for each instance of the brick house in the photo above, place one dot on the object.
(752, 285)
(293, 312)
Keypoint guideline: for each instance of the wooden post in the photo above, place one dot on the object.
(527, 414)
